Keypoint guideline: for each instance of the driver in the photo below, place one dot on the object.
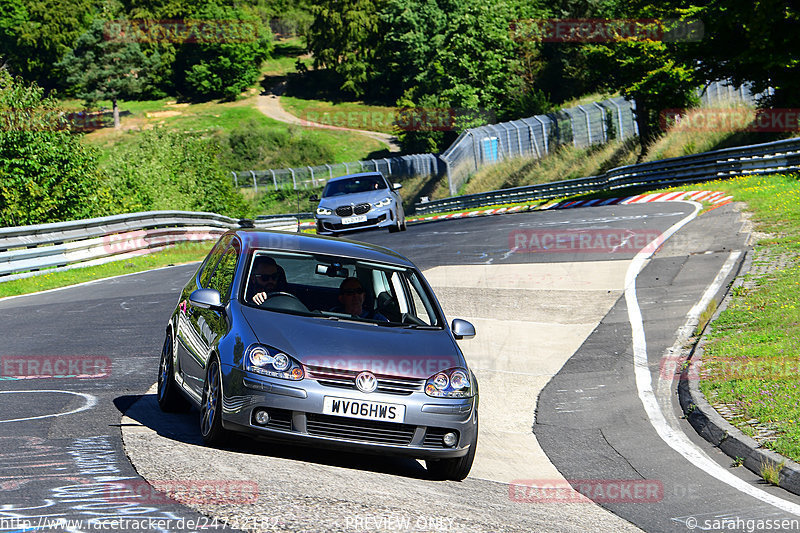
(266, 277)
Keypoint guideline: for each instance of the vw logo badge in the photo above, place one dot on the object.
(366, 382)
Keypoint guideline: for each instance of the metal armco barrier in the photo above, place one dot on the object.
(778, 156)
(26, 250)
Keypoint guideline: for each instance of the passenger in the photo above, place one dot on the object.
(351, 298)
(266, 277)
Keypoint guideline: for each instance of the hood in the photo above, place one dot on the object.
(349, 345)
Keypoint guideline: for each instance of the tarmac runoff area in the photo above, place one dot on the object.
(529, 318)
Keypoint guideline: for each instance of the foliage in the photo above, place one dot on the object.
(223, 69)
(343, 38)
(100, 68)
(751, 42)
(46, 174)
(34, 36)
(254, 145)
(166, 169)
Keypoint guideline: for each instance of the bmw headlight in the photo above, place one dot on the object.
(386, 201)
(452, 383)
(268, 361)
(324, 211)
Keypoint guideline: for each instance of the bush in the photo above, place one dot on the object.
(226, 68)
(255, 146)
(46, 174)
(165, 169)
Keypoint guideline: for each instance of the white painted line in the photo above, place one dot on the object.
(91, 401)
(94, 281)
(676, 439)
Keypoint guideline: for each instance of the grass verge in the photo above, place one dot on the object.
(750, 362)
(174, 255)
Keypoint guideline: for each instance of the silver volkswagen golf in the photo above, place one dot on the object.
(325, 343)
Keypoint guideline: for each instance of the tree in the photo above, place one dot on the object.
(754, 42)
(103, 68)
(229, 62)
(46, 174)
(34, 36)
(343, 38)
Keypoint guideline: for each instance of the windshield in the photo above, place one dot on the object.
(354, 185)
(337, 288)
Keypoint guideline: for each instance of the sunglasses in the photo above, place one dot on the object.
(265, 277)
(350, 292)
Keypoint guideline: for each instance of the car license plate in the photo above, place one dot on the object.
(388, 412)
(354, 220)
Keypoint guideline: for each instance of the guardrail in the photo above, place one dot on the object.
(767, 158)
(43, 248)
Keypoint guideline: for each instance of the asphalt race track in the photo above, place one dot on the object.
(63, 456)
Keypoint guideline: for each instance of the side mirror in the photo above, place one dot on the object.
(462, 329)
(206, 299)
(396, 186)
(313, 198)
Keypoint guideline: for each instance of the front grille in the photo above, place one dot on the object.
(344, 211)
(370, 222)
(360, 209)
(433, 437)
(360, 430)
(346, 379)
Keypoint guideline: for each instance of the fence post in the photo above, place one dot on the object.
(346, 168)
(388, 165)
(255, 184)
(235, 179)
(544, 134)
(519, 141)
(274, 181)
(362, 165)
(330, 171)
(313, 181)
(635, 123)
(588, 126)
(294, 181)
(532, 137)
(602, 120)
(619, 119)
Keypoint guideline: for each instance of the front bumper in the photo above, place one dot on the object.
(295, 410)
(376, 218)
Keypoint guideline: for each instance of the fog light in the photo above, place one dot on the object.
(450, 439)
(262, 418)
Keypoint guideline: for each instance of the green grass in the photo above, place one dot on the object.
(751, 359)
(178, 254)
(354, 115)
(285, 55)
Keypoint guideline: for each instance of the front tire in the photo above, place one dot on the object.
(170, 400)
(211, 407)
(457, 468)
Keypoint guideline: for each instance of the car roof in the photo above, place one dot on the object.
(303, 242)
(358, 175)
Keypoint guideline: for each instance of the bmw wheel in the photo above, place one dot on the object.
(210, 409)
(169, 397)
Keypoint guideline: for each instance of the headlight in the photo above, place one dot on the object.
(323, 211)
(452, 383)
(385, 201)
(268, 361)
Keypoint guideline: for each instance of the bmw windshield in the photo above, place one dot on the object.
(353, 185)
